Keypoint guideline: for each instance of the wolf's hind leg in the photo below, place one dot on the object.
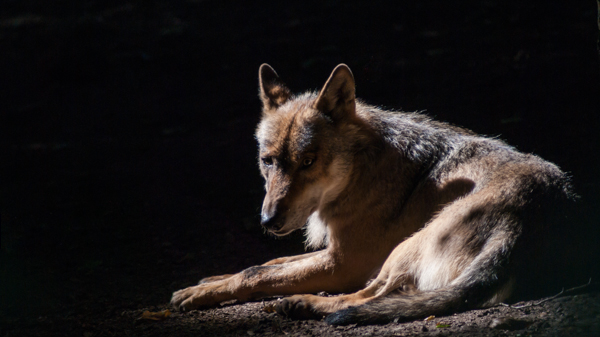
(480, 284)
(316, 307)
(312, 306)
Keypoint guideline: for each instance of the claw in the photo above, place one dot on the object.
(180, 298)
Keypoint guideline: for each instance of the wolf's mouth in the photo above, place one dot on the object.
(281, 231)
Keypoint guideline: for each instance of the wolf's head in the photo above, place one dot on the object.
(305, 147)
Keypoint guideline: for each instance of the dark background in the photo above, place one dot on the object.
(127, 158)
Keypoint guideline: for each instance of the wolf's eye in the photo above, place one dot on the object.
(307, 162)
(267, 160)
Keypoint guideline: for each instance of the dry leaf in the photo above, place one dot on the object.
(156, 316)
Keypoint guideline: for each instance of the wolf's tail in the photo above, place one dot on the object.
(477, 286)
(400, 308)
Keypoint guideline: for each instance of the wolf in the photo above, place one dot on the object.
(408, 216)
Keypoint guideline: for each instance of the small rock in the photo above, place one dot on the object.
(509, 323)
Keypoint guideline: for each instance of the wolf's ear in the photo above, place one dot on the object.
(273, 92)
(337, 98)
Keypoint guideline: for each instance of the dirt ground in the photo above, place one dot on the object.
(577, 315)
(128, 164)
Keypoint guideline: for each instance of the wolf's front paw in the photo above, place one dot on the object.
(298, 307)
(190, 298)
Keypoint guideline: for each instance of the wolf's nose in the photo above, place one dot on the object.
(270, 221)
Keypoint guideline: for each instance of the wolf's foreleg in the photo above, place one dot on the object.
(319, 271)
(279, 260)
(287, 259)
